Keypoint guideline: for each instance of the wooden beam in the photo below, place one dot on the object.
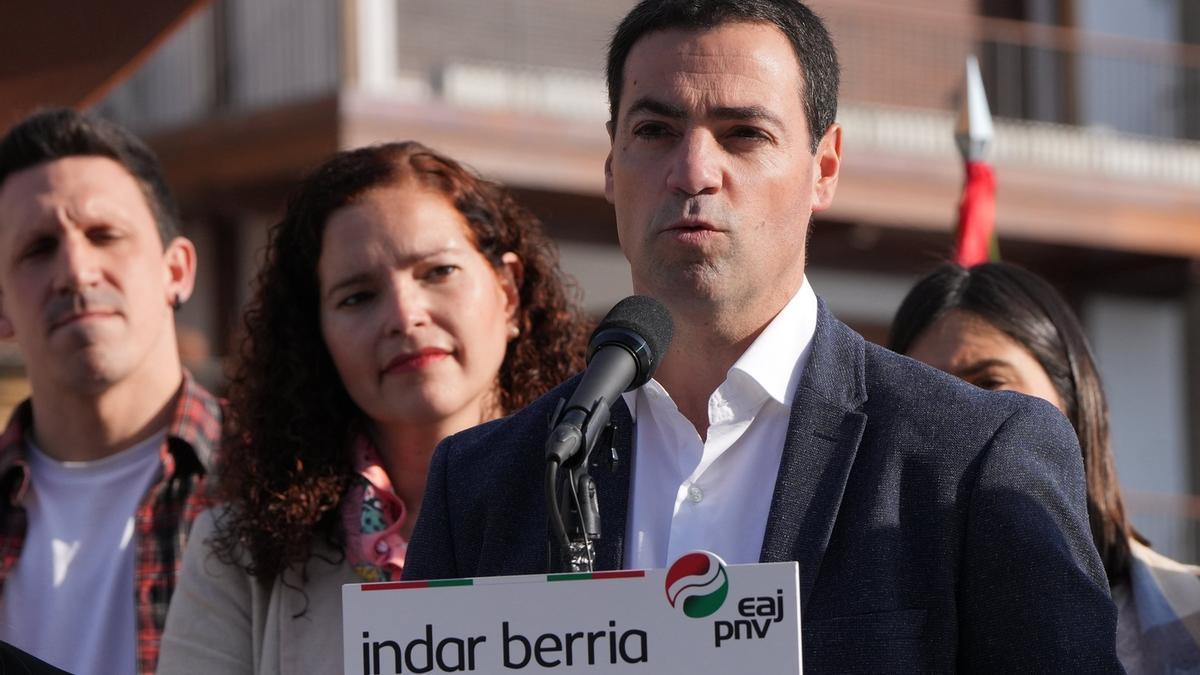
(73, 52)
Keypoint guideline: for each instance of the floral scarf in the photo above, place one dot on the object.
(372, 516)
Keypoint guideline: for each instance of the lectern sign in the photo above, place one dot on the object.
(697, 616)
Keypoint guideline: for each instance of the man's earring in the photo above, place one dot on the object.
(176, 303)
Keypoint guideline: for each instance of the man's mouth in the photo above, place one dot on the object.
(693, 231)
(692, 225)
(75, 318)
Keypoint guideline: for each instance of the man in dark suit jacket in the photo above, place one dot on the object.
(936, 526)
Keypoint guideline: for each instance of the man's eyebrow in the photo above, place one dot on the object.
(655, 107)
(749, 113)
(726, 113)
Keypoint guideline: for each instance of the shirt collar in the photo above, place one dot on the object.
(777, 357)
(14, 466)
(196, 422)
(193, 435)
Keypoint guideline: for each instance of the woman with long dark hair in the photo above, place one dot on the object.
(402, 299)
(1001, 327)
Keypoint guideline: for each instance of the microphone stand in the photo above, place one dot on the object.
(571, 498)
(622, 355)
(581, 517)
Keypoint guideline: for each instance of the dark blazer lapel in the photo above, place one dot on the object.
(612, 487)
(823, 434)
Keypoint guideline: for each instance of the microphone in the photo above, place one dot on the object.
(623, 353)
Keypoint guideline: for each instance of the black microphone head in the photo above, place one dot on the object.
(641, 325)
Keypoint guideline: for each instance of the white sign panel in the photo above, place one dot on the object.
(698, 616)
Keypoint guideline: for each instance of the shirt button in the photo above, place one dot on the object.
(695, 494)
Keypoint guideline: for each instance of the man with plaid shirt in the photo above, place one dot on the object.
(102, 470)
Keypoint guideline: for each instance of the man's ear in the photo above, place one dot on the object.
(6, 328)
(827, 162)
(179, 260)
(608, 177)
(511, 274)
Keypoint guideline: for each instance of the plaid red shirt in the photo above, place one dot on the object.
(164, 516)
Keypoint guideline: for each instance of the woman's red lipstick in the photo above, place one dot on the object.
(409, 362)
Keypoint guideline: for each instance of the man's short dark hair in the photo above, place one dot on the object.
(56, 133)
(804, 29)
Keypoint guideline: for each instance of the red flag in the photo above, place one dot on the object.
(974, 243)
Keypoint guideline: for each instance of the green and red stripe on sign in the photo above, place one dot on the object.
(402, 585)
(588, 576)
(447, 583)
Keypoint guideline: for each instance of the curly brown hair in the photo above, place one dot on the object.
(291, 418)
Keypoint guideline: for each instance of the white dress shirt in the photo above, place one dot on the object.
(715, 494)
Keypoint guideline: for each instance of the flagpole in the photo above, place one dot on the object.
(975, 241)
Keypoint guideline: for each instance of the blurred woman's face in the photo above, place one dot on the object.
(967, 346)
(416, 320)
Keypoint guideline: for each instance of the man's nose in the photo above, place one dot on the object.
(78, 265)
(696, 167)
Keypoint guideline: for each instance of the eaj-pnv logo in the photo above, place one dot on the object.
(698, 584)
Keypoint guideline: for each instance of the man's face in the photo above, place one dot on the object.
(86, 286)
(711, 171)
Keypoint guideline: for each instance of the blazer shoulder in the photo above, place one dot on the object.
(901, 380)
(924, 409)
(507, 437)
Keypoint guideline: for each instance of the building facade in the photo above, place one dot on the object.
(1097, 154)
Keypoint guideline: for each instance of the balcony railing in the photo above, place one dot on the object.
(235, 55)
(548, 55)
(896, 55)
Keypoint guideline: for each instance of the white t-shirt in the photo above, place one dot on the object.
(715, 493)
(70, 599)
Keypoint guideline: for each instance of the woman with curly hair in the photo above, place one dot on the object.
(402, 299)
